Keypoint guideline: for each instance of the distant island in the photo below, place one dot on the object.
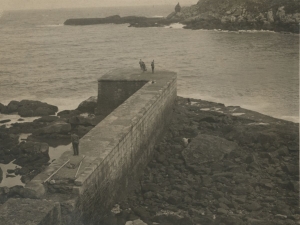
(232, 15)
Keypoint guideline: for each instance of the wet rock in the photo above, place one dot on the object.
(205, 149)
(2, 108)
(68, 113)
(291, 169)
(10, 170)
(16, 191)
(4, 121)
(27, 108)
(89, 105)
(252, 206)
(142, 213)
(47, 119)
(57, 127)
(22, 171)
(1, 175)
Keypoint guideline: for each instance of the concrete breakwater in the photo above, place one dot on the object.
(115, 151)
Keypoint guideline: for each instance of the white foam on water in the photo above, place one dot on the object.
(237, 114)
(51, 25)
(205, 109)
(257, 124)
(175, 26)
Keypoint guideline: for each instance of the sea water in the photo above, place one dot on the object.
(41, 59)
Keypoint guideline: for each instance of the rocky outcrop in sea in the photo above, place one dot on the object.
(241, 15)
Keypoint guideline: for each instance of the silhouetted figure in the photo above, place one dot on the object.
(75, 143)
(152, 66)
(141, 62)
(177, 8)
(189, 101)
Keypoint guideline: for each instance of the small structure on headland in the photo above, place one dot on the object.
(177, 8)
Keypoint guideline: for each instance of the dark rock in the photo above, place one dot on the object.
(47, 119)
(291, 169)
(22, 171)
(205, 149)
(10, 170)
(57, 127)
(2, 108)
(222, 211)
(253, 206)
(12, 107)
(4, 121)
(1, 175)
(68, 113)
(16, 191)
(142, 213)
(283, 151)
(88, 106)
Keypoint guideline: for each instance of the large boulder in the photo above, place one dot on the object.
(2, 108)
(47, 119)
(84, 120)
(206, 148)
(68, 113)
(88, 105)
(57, 127)
(27, 108)
(36, 108)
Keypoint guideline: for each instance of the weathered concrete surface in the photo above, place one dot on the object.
(30, 212)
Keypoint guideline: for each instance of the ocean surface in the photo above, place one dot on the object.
(41, 59)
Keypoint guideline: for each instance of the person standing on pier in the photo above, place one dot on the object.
(75, 143)
(152, 66)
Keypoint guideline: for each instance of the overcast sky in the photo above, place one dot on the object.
(50, 4)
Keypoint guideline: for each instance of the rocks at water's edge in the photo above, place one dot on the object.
(29, 108)
(32, 154)
(241, 15)
(88, 106)
(233, 15)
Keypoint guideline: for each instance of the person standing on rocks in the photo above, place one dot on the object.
(152, 66)
(75, 143)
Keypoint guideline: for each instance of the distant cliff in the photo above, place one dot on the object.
(277, 15)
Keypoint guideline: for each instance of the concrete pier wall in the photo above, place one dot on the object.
(124, 140)
(116, 150)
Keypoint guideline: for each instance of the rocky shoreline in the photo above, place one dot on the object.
(227, 15)
(214, 165)
(218, 165)
(49, 130)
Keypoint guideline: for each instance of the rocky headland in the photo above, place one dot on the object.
(233, 15)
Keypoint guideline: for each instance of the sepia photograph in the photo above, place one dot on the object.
(149, 112)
